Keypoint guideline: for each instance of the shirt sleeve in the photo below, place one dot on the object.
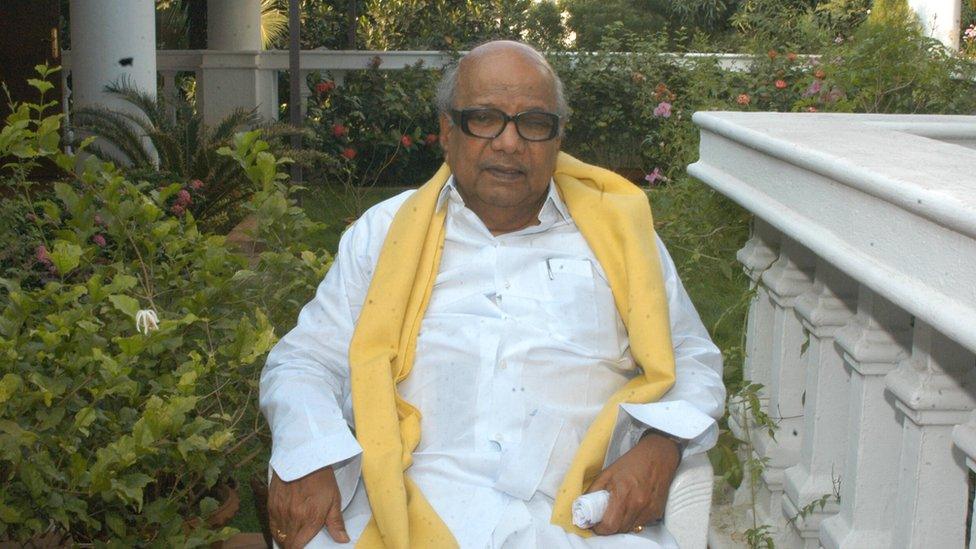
(690, 409)
(304, 388)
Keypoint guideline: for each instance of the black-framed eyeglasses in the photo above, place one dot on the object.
(488, 123)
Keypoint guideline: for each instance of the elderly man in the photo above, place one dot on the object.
(507, 337)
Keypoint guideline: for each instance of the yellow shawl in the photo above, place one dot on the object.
(614, 217)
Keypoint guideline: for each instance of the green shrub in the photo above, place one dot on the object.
(117, 424)
(892, 68)
(380, 127)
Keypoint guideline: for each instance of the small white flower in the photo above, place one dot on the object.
(146, 321)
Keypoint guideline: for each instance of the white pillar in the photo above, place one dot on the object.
(112, 41)
(823, 310)
(873, 343)
(940, 19)
(234, 25)
(934, 392)
(232, 76)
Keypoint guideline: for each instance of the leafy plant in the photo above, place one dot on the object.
(892, 68)
(164, 141)
(131, 352)
(379, 127)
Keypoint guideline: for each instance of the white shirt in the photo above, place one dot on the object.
(519, 349)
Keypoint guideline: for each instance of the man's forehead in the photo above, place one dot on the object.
(505, 71)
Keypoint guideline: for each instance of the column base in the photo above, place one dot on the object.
(837, 533)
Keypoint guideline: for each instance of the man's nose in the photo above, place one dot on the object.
(509, 140)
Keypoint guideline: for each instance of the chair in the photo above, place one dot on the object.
(690, 502)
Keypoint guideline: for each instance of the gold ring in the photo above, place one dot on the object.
(638, 529)
(279, 535)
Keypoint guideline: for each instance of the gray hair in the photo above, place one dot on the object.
(447, 90)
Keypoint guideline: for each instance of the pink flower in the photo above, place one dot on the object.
(663, 109)
(177, 210)
(348, 153)
(743, 99)
(42, 255)
(814, 89)
(431, 138)
(99, 221)
(338, 131)
(811, 109)
(99, 240)
(970, 32)
(183, 198)
(654, 176)
(196, 184)
(406, 141)
(772, 54)
(780, 84)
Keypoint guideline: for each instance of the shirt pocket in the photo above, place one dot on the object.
(577, 304)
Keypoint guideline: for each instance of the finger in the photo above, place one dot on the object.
(600, 483)
(612, 517)
(335, 524)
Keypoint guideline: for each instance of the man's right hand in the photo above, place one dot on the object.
(300, 508)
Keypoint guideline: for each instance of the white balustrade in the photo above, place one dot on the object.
(881, 211)
(241, 75)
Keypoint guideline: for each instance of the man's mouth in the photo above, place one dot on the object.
(505, 172)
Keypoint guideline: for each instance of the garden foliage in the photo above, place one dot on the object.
(119, 435)
(381, 126)
(131, 341)
(161, 139)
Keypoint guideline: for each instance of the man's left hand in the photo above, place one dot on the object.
(638, 483)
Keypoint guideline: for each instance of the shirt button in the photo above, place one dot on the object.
(508, 285)
(503, 364)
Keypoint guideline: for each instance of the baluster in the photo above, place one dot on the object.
(873, 344)
(823, 310)
(933, 391)
(756, 256)
(964, 436)
(788, 277)
(170, 93)
(304, 91)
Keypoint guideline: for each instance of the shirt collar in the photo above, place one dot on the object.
(553, 206)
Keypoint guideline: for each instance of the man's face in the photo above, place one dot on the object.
(505, 178)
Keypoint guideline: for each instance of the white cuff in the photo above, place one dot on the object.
(340, 450)
(677, 418)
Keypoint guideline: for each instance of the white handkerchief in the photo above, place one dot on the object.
(588, 509)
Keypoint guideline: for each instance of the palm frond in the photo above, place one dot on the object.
(115, 129)
(235, 121)
(153, 107)
(274, 22)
